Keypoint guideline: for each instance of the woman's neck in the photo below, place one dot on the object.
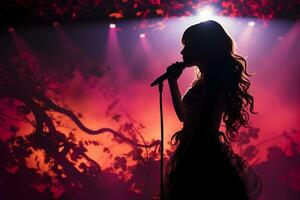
(210, 72)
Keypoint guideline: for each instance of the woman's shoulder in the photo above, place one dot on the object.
(203, 92)
(195, 87)
(197, 82)
(193, 93)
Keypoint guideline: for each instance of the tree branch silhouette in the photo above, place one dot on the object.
(61, 153)
(51, 105)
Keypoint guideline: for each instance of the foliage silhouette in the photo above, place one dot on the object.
(71, 173)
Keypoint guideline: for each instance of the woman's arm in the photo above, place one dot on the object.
(176, 98)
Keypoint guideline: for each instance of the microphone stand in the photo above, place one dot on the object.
(160, 88)
(160, 81)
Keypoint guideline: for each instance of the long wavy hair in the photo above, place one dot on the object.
(211, 43)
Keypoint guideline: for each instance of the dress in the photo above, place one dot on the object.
(203, 165)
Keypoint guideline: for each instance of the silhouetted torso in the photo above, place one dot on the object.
(203, 163)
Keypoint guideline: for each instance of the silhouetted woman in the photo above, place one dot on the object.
(203, 165)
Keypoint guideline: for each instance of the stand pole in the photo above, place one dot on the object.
(160, 86)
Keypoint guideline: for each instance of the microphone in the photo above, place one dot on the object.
(163, 77)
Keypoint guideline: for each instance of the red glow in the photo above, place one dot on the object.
(122, 99)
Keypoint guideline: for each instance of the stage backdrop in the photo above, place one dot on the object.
(79, 119)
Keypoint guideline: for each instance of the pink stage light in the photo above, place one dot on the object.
(11, 29)
(251, 23)
(206, 13)
(112, 25)
(55, 24)
(142, 35)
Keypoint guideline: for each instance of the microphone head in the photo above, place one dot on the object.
(180, 65)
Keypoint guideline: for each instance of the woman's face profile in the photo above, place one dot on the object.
(188, 55)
